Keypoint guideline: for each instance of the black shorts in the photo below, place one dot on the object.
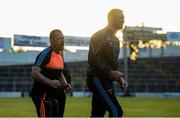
(49, 104)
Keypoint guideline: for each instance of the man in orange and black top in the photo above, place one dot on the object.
(49, 82)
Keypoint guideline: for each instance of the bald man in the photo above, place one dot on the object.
(49, 86)
(103, 67)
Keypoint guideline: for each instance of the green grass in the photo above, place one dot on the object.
(81, 106)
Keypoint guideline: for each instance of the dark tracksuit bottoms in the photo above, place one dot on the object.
(103, 98)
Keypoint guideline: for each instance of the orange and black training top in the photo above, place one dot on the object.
(51, 64)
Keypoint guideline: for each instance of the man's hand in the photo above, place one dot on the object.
(123, 84)
(116, 75)
(67, 87)
(54, 83)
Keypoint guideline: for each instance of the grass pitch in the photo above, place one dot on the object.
(81, 107)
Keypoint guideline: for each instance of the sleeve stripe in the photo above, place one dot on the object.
(42, 56)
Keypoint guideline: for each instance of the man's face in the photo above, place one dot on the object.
(118, 20)
(57, 41)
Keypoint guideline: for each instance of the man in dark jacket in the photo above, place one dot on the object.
(103, 67)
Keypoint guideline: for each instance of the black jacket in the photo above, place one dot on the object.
(103, 53)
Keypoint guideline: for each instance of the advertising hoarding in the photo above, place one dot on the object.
(5, 43)
(36, 41)
(173, 36)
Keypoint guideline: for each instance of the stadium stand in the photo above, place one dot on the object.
(144, 75)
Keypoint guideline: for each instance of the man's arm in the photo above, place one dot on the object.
(37, 76)
(64, 84)
(94, 57)
(66, 73)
